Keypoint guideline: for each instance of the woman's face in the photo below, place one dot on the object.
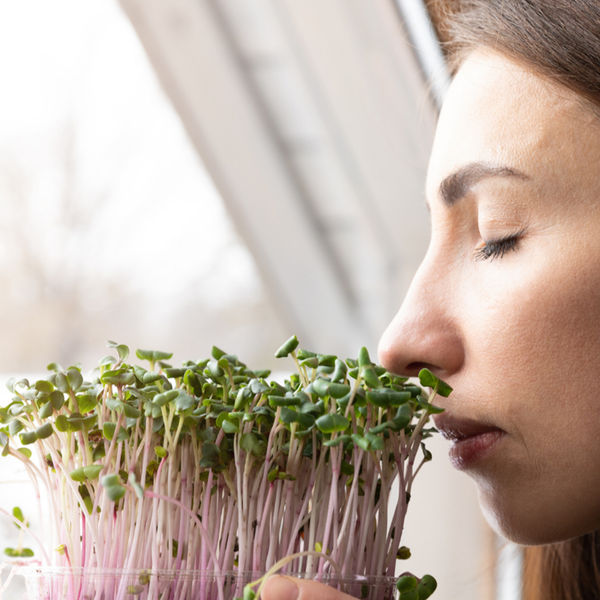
(506, 305)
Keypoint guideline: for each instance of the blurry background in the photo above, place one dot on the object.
(181, 173)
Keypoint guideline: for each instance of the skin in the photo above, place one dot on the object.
(516, 334)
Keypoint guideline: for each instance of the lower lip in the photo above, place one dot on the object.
(466, 452)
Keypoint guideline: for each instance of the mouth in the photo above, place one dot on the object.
(470, 441)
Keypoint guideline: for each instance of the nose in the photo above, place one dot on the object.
(426, 331)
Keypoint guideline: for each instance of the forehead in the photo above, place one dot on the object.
(499, 113)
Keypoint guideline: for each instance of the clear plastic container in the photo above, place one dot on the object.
(52, 583)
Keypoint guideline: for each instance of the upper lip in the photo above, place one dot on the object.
(453, 428)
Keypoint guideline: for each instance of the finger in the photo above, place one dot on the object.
(280, 587)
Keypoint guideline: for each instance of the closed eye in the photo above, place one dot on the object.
(497, 248)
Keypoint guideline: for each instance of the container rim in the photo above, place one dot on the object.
(42, 571)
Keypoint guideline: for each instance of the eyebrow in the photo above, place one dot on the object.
(455, 187)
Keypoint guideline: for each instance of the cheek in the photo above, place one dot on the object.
(537, 323)
(533, 353)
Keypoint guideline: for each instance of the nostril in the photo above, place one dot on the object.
(412, 369)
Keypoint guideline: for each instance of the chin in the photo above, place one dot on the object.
(528, 524)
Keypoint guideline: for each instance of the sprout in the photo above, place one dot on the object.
(210, 466)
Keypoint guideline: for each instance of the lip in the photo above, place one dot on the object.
(470, 441)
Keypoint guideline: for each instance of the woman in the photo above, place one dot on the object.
(506, 305)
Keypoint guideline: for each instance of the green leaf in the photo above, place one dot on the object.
(45, 431)
(243, 396)
(119, 377)
(370, 377)
(332, 422)
(18, 514)
(248, 441)
(25, 452)
(86, 402)
(249, 593)
(363, 358)
(77, 475)
(306, 420)
(75, 421)
(346, 468)
(108, 429)
(62, 423)
(383, 427)
(115, 493)
(321, 387)
(385, 398)
(110, 480)
(89, 505)
(184, 402)
(27, 438)
(259, 449)
(403, 416)
(132, 480)
(288, 415)
(122, 435)
(153, 355)
(426, 453)
(210, 451)
(112, 484)
(360, 441)
(161, 452)
(428, 379)
(258, 387)
(231, 426)
(430, 408)
(175, 373)
(340, 371)
(14, 427)
(207, 435)
(44, 385)
(262, 373)
(58, 399)
(121, 349)
(75, 379)
(46, 410)
(426, 587)
(130, 411)
(341, 439)
(217, 353)
(338, 390)
(375, 442)
(312, 362)
(92, 471)
(165, 398)
(150, 377)
(62, 383)
(284, 400)
(106, 361)
(302, 354)
(406, 583)
(404, 554)
(99, 452)
(288, 347)
(23, 553)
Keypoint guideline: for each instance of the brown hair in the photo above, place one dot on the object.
(559, 39)
(563, 571)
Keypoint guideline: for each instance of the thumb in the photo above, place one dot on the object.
(280, 587)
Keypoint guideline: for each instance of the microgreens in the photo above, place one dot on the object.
(211, 467)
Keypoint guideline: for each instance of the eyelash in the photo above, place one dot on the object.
(497, 248)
